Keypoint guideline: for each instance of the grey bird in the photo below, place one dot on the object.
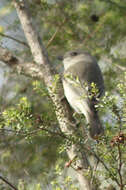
(80, 72)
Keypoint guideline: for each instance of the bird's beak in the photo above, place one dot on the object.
(60, 58)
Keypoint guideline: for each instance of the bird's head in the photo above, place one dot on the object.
(72, 57)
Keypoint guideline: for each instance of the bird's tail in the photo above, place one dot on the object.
(92, 117)
(95, 126)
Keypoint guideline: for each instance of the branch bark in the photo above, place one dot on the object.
(27, 68)
(42, 69)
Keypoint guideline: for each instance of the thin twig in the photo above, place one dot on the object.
(117, 5)
(35, 131)
(93, 171)
(12, 38)
(52, 38)
(105, 166)
(120, 167)
(55, 33)
(47, 130)
(7, 182)
(91, 35)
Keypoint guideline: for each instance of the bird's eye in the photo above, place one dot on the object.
(74, 53)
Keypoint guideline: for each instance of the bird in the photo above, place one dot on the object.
(81, 72)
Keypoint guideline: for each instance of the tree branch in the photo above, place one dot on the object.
(21, 67)
(33, 132)
(41, 58)
(8, 183)
(12, 38)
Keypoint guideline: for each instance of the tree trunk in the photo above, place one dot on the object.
(63, 116)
